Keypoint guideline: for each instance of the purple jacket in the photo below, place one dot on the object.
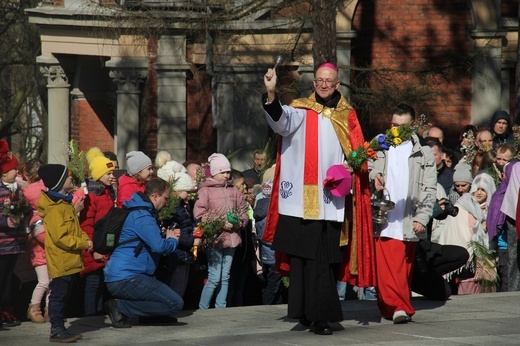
(216, 199)
(495, 218)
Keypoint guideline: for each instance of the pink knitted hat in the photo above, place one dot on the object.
(218, 163)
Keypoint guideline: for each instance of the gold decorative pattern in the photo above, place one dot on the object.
(338, 116)
(311, 209)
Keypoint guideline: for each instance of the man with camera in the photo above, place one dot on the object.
(129, 272)
(433, 260)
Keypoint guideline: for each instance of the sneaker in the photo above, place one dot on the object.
(8, 320)
(401, 317)
(116, 317)
(64, 336)
(370, 293)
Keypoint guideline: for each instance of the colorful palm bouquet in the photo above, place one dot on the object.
(16, 207)
(368, 150)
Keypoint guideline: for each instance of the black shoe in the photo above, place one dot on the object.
(305, 322)
(322, 328)
(116, 317)
(64, 336)
(8, 320)
(157, 320)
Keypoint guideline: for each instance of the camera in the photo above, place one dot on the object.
(450, 209)
(165, 228)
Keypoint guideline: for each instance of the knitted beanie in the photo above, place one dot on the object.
(218, 163)
(167, 170)
(462, 173)
(136, 161)
(53, 176)
(183, 182)
(162, 158)
(8, 161)
(99, 165)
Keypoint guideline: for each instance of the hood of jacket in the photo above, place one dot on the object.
(98, 188)
(125, 179)
(139, 199)
(496, 117)
(33, 191)
(210, 182)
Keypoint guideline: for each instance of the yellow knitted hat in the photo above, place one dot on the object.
(99, 165)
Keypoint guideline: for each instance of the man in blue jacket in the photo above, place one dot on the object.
(129, 273)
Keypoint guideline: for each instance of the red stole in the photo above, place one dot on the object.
(358, 267)
(311, 203)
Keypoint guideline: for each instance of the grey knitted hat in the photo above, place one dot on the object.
(136, 161)
(463, 173)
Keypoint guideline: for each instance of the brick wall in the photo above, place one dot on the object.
(92, 124)
(428, 38)
(509, 8)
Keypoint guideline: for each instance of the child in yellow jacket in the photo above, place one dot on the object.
(63, 244)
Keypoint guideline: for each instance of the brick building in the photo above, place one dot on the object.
(192, 87)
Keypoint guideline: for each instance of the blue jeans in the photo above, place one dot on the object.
(93, 300)
(341, 286)
(219, 266)
(143, 295)
(60, 290)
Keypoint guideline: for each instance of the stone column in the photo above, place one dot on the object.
(58, 92)
(171, 68)
(128, 74)
(344, 36)
(343, 51)
(486, 75)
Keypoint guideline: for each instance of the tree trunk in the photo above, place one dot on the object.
(324, 26)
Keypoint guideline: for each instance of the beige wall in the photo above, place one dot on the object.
(59, 40)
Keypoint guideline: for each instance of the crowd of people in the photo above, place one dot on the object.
(199, 235)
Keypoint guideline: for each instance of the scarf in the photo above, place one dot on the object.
(470, 204)
(56, 196)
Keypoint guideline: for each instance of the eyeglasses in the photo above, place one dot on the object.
(328, 82)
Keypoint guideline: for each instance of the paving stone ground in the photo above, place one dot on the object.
(482, 319)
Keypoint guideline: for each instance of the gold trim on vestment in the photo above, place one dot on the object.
(339, 118)
(311, 210)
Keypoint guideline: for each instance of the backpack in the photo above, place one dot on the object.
(108, 229)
